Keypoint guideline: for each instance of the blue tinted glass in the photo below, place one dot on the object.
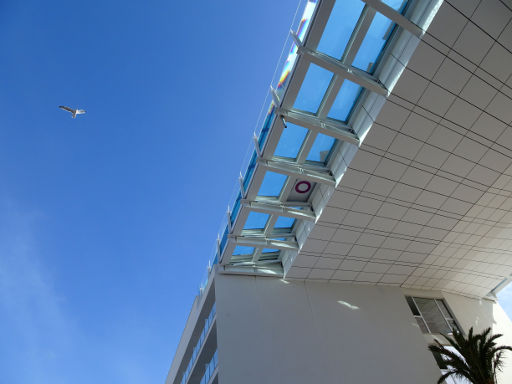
(241, 250)
(236, 208)
(291, 141)
(266, 126)
(373, 43)
(269, 250)
(395, 4)
(340, 26)
(272, 184)
(345, 100)
(250, 171)
(321, 148)
(284, 222)
(224, 240)
(256, 220)
(313, 88)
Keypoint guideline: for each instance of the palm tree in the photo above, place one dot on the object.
(477, 358)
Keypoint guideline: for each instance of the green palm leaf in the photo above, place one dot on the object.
(475, 358)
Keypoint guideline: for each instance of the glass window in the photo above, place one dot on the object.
(236, 208)
(321, 148)
(397, 5)
(432, 315)
(250, 170)
(313, 88)
(242, 250)
(373, 43)
(256, 220)
(345, 100)
(291, 141)
(269, 250)
(272, 184)
(284, 222)
(266, 125)
(339, 28)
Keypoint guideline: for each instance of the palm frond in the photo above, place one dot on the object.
(475, 358)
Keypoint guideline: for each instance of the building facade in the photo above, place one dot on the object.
(375, 211)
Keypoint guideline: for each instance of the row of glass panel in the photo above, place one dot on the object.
(340, 26)
(202, 338)
(209, 369)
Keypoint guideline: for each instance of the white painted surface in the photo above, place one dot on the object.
(426, 202)
(270, 331)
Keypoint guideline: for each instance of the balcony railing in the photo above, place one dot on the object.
(202, 338)
(210, 370)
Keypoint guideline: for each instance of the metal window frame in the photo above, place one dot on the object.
(436, 301)
(318, 123)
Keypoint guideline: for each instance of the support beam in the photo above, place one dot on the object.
(330, 128)
(241, 183)
(296, 170)
(262, 242)
(396, 17)
(282, 209)
(337, 67)
(228, 217)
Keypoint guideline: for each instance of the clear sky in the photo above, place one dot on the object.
(107, 221)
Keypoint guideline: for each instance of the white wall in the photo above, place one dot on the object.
(299, 332)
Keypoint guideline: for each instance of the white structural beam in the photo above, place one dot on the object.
(337, 67)
(339, 131)
(262, 242)
(395, 16)
(282, 209)
(293, 169)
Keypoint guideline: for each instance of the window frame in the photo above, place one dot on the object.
(449, 320)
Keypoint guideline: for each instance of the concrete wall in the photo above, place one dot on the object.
(270, 331)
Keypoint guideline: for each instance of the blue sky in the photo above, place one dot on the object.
(107, 221)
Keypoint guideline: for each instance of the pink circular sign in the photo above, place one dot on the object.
(302, 186)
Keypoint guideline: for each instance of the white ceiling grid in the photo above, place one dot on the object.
(427, 200)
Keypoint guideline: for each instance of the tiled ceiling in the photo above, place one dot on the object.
(427, 200)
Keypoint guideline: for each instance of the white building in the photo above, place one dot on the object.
(375, 212)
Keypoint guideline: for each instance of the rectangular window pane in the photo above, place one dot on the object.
(272, 184)
(421, 324)
(242, 250)
(291, 141)
(432, 315)
(345, 100)
(339, 28)
(256, 220)
(414, 310)
(321, 148)
(444, 309)
(397, 5)
(284, 222)
(373, 43)
(313, 88)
